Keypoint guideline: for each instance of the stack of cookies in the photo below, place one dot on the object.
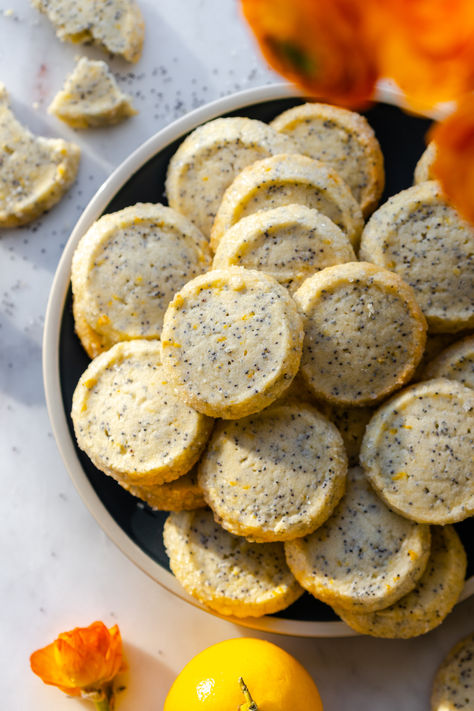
(253, 376)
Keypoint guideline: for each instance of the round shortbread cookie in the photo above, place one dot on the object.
(423, 169)
(420, 237)
(225, 572)
(435, 344)
(417, 452)
(455, 363)
(208, 160)
(453, 686)
(182, 494)
(351, 423)
(232, 342)
(364, 333)
(276, 475)
(129, 421)
(364, 557)
(286, 180)
(290, 243)
(343, 139)
(426, 606)
(127, 268)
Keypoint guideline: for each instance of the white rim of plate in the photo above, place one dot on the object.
(52, 385)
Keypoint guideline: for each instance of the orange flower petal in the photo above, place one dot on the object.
(454, 163)
(85, 657)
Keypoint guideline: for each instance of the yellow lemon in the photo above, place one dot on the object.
(274, 679)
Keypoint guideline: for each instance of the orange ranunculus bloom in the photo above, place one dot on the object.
(427, 47)
(324, 46)
(454, 163)
(83, 659)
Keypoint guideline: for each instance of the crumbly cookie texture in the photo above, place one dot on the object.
(232, 342)
(364, 557)
(423, 169)
(35, 172)
(417, 452)
(343, 139)
(286, 180)
(455, 363)
(453, 686)
(129, 421)
(276, 475)
(290, 243)
(91, 97)
(182, 494)
(115, 25)
(127, 268)
(364, 333)
(420, 237)
(208, 160)
(427, 605)
(227, 573)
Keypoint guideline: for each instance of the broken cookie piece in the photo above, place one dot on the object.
(91, 97)
(35, 172)
(115, 25)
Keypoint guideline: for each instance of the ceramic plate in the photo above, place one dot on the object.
(134, 527)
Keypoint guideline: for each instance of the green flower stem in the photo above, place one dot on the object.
(103, 704)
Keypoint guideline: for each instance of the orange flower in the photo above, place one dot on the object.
(81, 661)
(324, 46)
(454, 163)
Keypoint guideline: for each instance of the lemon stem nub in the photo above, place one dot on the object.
(250, 704)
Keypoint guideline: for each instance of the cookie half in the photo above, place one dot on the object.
(286, 180)
(455, 363)
(453, 687)
(91, 97)
(343, 139)
(276, 475)
(420, 237)
(208, 160)
(182, 494)
(365, 556)
(426, 606)
(127, 268)
(116, 25)
(227, 573)
(232, 342)
(364, 333)
(290, 243)
(417, 452)
(35, 172)
(129, 421)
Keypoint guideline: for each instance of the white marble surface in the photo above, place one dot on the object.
(58, 568)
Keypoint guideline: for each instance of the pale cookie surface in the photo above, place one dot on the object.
(115, 25)
(127, 268)
(91, 97)
(232, 342)
(365, 556)
(35, 172)
(417, 452)
(423, 169)
(351, 423)
(364, 333)
(208, 160)
(426, 606)
(129, 421)
(455, 363)
(286, 180)
(453, 687)
(225, 572)
(182, 494)
(290, 243)
(420, 237)
(276, 475)
(343, 139)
